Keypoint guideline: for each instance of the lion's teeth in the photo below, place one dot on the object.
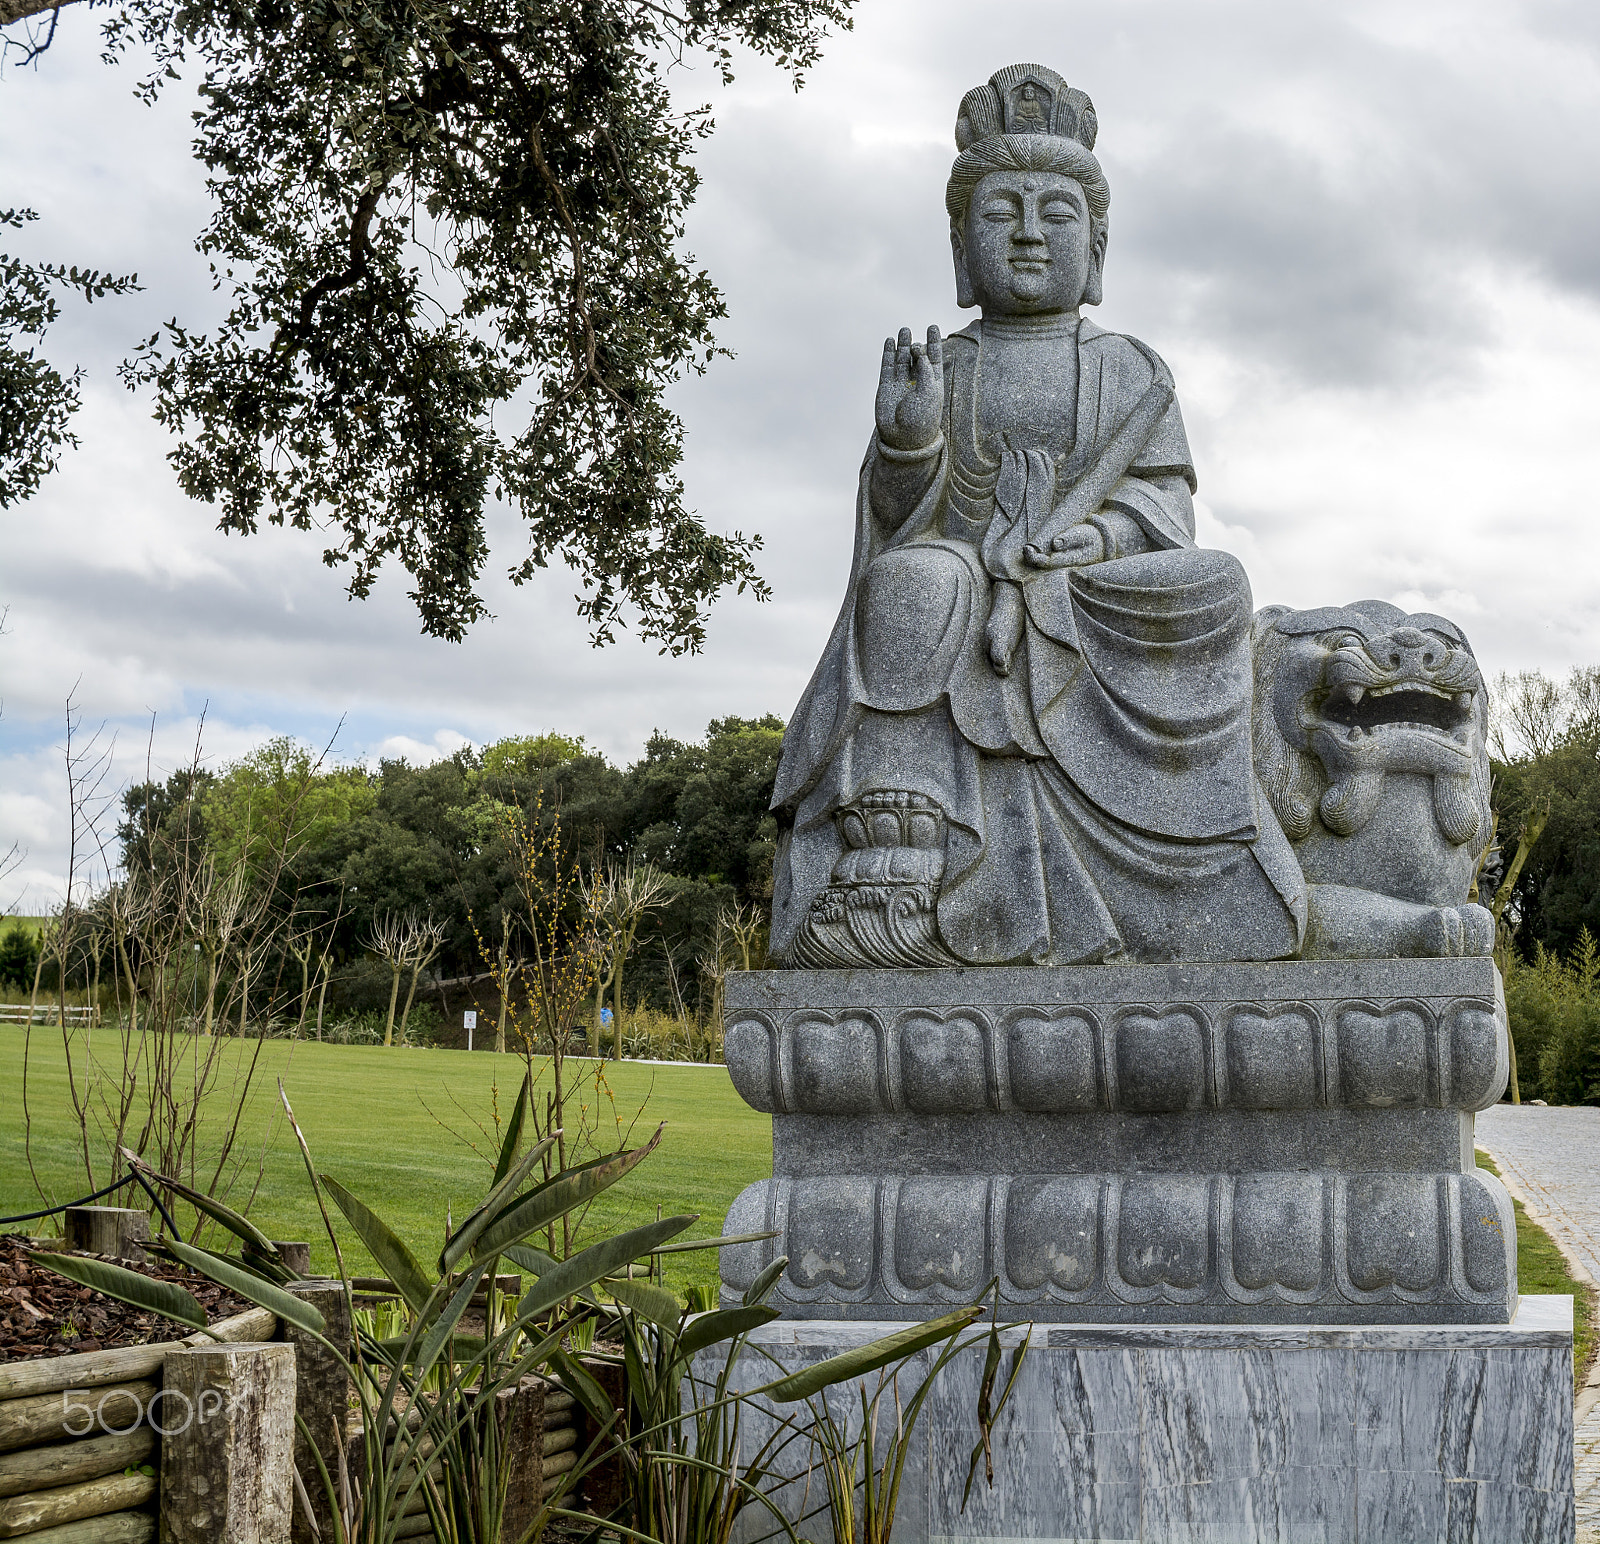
(1350, 691)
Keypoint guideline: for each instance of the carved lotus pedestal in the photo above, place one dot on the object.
(1273, 1295)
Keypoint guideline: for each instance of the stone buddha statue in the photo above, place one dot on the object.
(1029, 737)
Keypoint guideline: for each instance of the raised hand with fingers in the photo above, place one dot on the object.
(910, 407)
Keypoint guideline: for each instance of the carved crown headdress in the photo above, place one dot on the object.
(1026, 99)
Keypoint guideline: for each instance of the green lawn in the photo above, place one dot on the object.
(1542, 1268)
(394, 1126)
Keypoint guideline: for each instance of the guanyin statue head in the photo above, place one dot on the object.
(1027, 199)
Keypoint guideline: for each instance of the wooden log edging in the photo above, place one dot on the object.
(66, 1463)
(92, 1369)
(21, 1516)
(114, 1528)
(70, 1426)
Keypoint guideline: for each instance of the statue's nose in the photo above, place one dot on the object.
(1412, 650)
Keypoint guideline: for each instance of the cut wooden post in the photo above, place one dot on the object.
(321, 1400)
(226, 1473)
(604, 1485)
(519, 1413)
(117, 1231)
(295, 1257)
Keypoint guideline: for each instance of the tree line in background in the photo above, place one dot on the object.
(318, 893)
(1546, 756)
(305, 893)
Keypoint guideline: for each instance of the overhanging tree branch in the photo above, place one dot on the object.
(530, 151)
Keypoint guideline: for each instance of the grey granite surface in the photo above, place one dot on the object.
(1277, 1142)
(1194, 1435)
(1145, 1247)
(1195, 1141)
(1047, 726)
(1290, 1035)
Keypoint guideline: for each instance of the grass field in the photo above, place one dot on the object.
(1542, 1268)
(395, 1126)
(411, 1132)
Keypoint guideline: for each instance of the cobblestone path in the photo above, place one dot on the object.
(1550, 1159)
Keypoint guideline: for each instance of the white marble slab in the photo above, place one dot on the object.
(1191, 1434)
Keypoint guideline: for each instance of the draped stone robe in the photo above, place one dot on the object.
(1100, 798)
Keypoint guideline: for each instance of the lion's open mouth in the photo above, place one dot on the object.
(1405, 705)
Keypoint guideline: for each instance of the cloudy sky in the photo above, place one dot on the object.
(1366, 237)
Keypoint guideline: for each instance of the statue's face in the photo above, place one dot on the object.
(1028, 245)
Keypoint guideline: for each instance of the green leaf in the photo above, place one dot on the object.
(236, 1223)
(595, 1263)
(568, 1190)
(583, 1388)
(394, 1259)
(649, 1301)
(251, 1287)
(398, 1347)
(447, 1321)
(535, 1261)
(711, 1328)
(246, 1260)
(765, 1282)
(166, 1298)
(861, 1360)
(712, 1243)
(462, 1239)
(268, 1266)
(519, 1113)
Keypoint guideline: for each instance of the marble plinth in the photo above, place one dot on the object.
(1189, 1434)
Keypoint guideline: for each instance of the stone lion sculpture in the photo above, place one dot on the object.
(1369, 731)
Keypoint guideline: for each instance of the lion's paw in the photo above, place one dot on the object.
(1457, 932)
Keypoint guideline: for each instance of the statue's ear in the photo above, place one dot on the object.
(964, 296)
(1092, 292)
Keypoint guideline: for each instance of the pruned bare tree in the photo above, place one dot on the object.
(620, 899)
(427, 939)
(404, 942)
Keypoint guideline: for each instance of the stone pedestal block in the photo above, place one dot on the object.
(1161, 1434)
(1215, 1143)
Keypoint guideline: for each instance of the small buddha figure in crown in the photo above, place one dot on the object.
(1029, 737)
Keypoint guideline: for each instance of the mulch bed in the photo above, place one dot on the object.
(43, 1314)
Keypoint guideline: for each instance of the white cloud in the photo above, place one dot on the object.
(420, 753)
(1366, 238)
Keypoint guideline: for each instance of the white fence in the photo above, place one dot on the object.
(48, 1013)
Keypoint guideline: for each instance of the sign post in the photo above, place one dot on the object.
(469, 1020)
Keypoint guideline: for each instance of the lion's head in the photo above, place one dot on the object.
(1346, 696)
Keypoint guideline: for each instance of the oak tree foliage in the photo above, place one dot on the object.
(36, 401)
(450, 237)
